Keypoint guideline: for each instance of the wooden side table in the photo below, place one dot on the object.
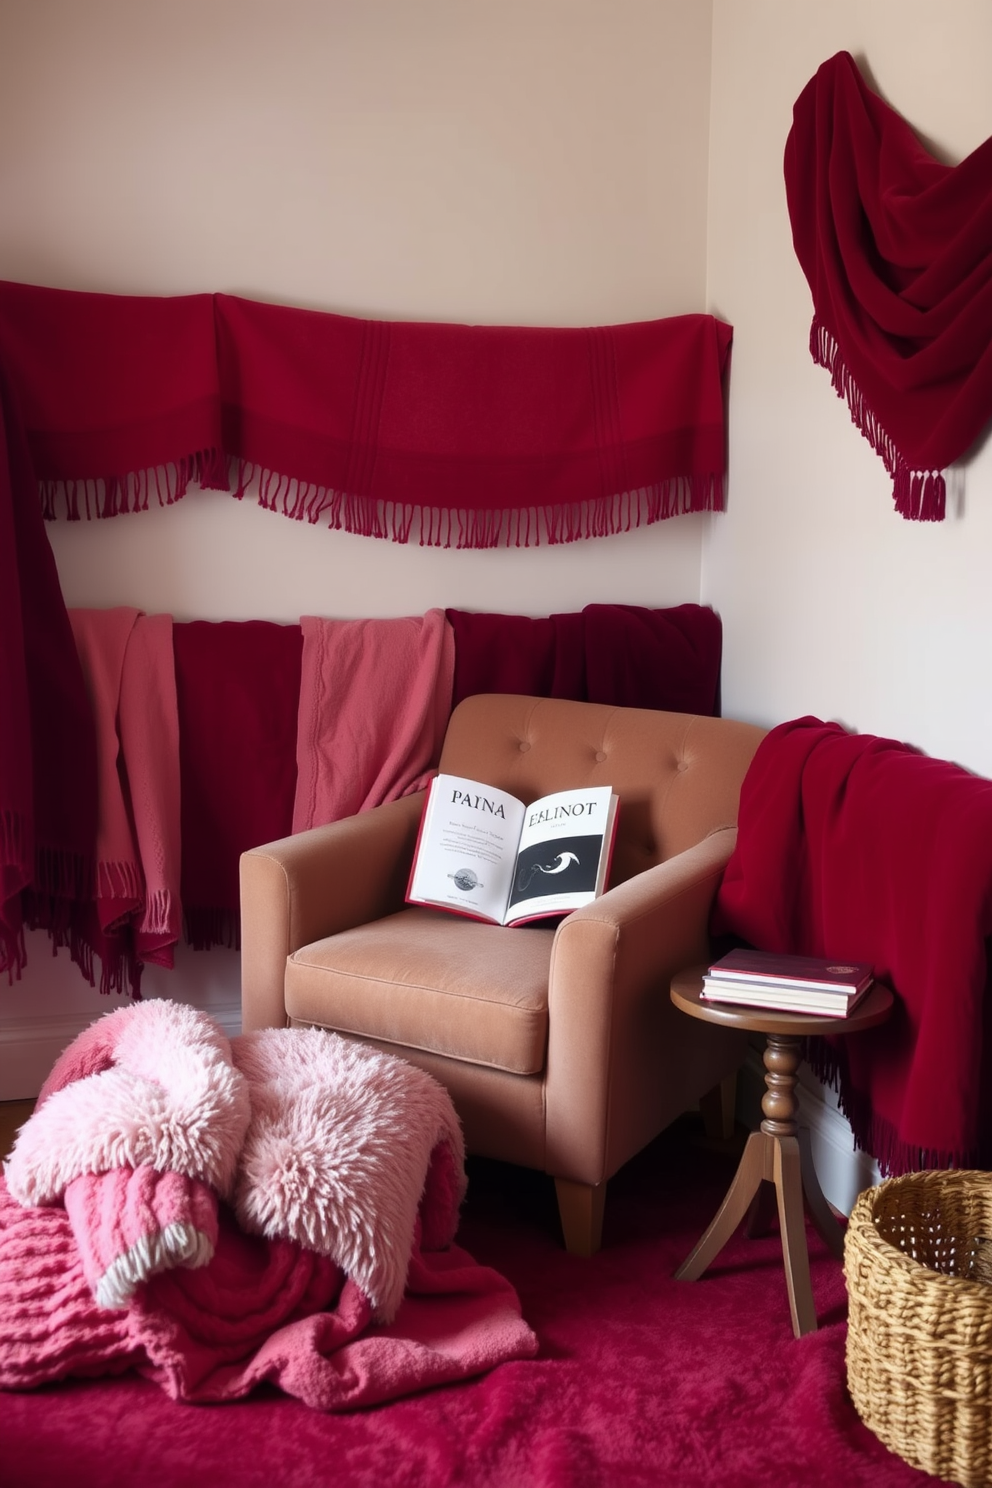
(779, 1151)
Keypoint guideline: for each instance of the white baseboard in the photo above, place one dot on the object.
(843, 1172)
(52, 1003)
(29, 1046)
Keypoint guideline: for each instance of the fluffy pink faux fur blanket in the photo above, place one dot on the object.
(165, 1166)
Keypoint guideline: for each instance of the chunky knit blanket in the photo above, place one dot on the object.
(169, 1175)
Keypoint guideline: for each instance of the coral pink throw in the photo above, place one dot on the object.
(375, 697)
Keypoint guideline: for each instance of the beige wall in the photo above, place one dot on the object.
(509, 161)
(832, 604)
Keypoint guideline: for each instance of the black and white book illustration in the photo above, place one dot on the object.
(482, 852)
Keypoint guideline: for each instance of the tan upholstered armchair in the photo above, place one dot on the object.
(560, 1046)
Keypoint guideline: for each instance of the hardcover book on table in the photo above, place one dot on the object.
(810, 973)
(482, 852)
(799, 984)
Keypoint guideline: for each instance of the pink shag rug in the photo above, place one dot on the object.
(639, 1380)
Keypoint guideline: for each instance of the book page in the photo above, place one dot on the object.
(564, 852)
(468, 843)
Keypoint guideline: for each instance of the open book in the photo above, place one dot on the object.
(483, 853)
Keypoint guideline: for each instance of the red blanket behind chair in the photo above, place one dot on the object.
(862, 847)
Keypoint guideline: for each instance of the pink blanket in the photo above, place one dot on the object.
(168, 1174)
(150, 741)
(101, 638)
(308, 1329)
(375, 696)
(127, 662)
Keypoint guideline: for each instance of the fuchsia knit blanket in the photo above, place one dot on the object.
(279, 1207)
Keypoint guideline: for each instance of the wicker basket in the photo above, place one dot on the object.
(918, 1265)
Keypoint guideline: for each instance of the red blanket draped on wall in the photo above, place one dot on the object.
(487, 433)
(48, 770)
(118, 393)
(897, 249)
(451, 434)
(238, 690)
(862, 848)
(624, 655)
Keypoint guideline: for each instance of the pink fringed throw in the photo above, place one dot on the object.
(128, 664)
(897, 249)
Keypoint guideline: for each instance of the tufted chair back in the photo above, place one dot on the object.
(677, 775)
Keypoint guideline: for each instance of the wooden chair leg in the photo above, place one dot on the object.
(580, 1206)
(717, 1108)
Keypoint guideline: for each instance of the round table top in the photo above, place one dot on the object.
(688, 985)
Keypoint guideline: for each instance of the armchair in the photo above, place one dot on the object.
(560, 1046)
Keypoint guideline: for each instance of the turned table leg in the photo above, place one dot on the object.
(777, 1153)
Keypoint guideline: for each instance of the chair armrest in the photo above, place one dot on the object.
(611, 969)
(316, 883)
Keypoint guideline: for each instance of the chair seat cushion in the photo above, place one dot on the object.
(434, 981)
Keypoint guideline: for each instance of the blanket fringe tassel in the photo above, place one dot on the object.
(443, 527)
(919, 495)
(212, 927)
(15, 856)
(113, 495)
(872, 1133)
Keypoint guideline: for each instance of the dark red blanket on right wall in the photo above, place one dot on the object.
(897, 249)
(860, 847)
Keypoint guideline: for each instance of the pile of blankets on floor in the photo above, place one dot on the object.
(217, 1213)
(216, 736)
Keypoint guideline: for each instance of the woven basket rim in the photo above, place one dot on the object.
(862, 1226)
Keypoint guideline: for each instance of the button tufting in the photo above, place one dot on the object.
(524, 745)
(682, 766)
(600, 756)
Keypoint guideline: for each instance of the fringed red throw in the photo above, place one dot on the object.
(48, 766)
(860, 847)
(623, 655)
(897, 249)
(118, 393)
(451, 435)
(238, 691)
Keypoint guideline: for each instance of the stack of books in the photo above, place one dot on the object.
(788, 984)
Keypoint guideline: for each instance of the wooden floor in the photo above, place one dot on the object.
(12, 1115)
